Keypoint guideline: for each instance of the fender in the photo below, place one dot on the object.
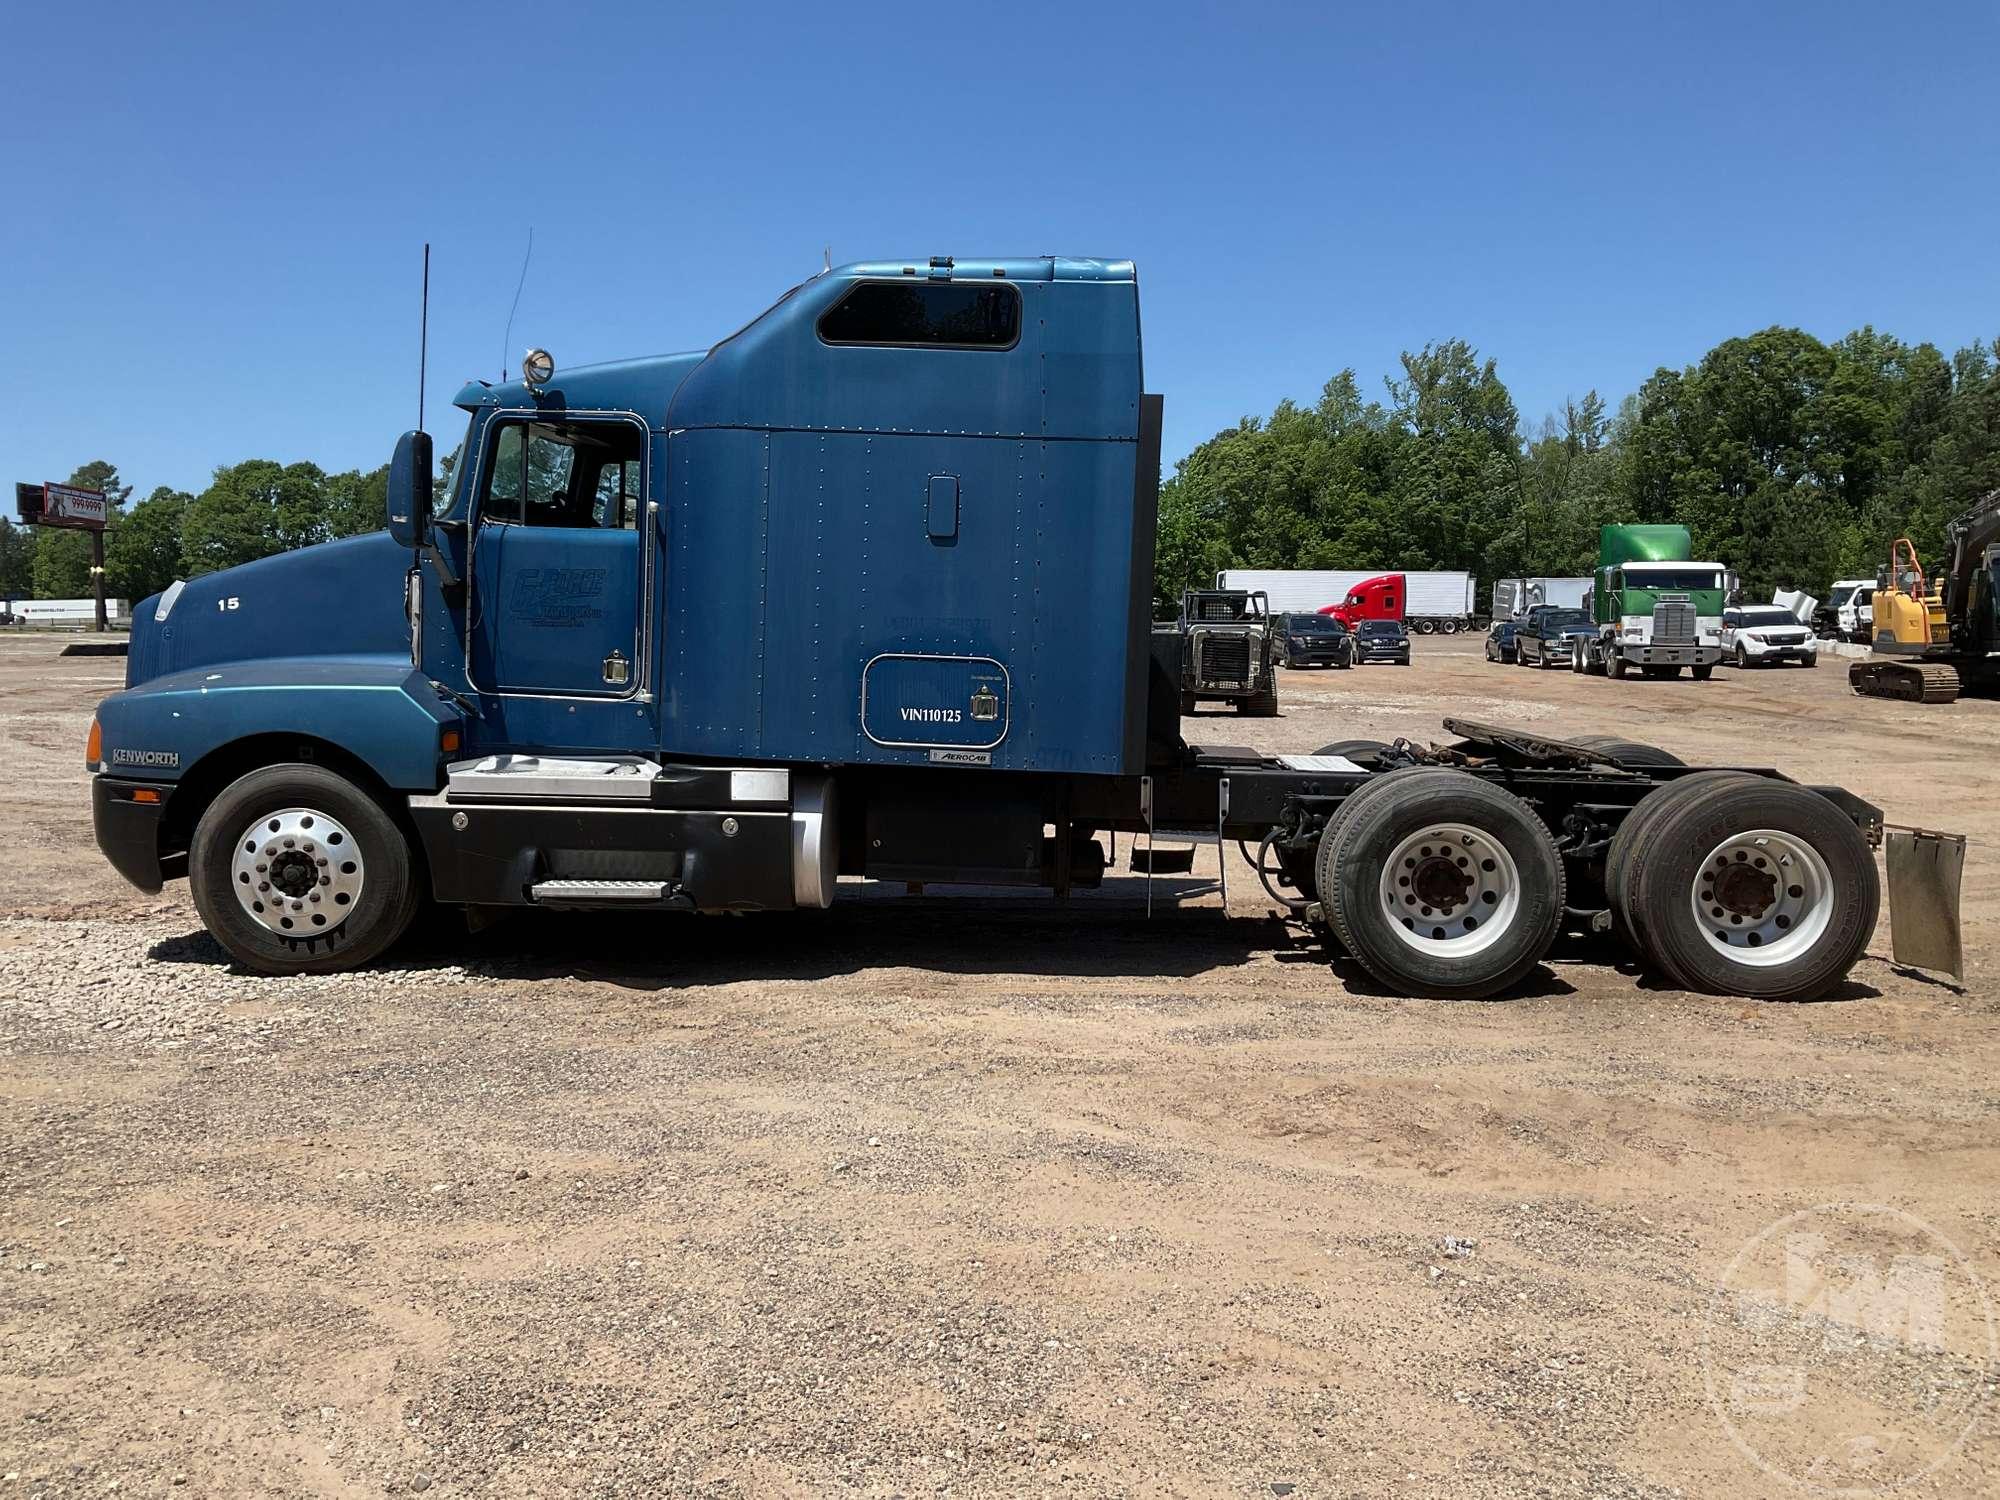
(377, 708)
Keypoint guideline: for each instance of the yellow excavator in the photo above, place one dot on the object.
(1936, 637)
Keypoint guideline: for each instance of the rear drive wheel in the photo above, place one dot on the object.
(1440, 884)
(1752, 887)
(298, 871)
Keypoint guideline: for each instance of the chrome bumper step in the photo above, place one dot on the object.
(608, 893)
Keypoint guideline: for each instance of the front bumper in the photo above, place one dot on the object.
(1787, 652)
(128, 831)
(1672, 656)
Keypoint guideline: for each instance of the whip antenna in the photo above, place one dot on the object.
(507, 339)
(424, 337)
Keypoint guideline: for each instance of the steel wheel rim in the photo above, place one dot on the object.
(1743, 900)
(1485, 891)
(297, 873)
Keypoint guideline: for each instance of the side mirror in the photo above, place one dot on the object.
(410, 490)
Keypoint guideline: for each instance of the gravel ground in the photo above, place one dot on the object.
(992, 1197)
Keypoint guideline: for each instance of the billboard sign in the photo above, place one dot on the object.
(65, 505)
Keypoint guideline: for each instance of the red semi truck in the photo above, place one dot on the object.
(1385, 597)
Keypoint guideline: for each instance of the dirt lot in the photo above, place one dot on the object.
(994, 1198)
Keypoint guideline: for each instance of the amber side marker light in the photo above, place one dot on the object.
(145, 794)
(448, 741)
(93, 748)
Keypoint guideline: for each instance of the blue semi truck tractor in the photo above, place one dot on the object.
(863, 590)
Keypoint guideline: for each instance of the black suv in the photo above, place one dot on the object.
(1381, 640)
(1313, 641)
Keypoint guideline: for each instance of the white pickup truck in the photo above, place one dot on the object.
(1853, 604)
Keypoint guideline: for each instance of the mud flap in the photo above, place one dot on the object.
(1925, 868)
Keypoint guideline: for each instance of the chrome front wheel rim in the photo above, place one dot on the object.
(298, 872)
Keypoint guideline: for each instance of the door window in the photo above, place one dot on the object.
(571, 474)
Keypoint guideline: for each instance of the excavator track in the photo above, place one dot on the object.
(1905, 681)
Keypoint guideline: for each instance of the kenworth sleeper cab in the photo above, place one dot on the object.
(863, 591)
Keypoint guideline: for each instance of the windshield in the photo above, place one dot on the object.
(1773, 616)
(447, 475)
(1381, 627)
(1315, 625)
(1565, 619)
(1673, 580)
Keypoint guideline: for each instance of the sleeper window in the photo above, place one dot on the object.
(934, 314)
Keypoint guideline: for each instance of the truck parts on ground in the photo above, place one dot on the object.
(1654, 607)
(1427, 602)
(862, 591)
(1229, 651)
(1934, 638)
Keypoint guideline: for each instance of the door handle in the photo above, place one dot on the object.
(617, 669)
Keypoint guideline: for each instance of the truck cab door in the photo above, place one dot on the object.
(558, 573)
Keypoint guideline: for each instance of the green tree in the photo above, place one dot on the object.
(254, 509)
(144, 555)
(100, 474)
(17, 560)
(356, 502)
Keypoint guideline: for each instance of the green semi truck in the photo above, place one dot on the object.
(1655, 608)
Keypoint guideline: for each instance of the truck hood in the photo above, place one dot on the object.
(341, 598)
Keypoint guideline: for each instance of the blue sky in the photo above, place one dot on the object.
(214, 214)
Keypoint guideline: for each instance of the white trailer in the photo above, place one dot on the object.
(1434, 601)
(64, 611)
(1297, 591)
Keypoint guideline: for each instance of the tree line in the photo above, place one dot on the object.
(1794, 461)
(251, 510)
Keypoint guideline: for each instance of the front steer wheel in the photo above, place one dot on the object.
(1440, 884)
(298, 871)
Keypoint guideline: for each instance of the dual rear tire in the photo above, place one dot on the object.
(1733, 884)
(1440, 884)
